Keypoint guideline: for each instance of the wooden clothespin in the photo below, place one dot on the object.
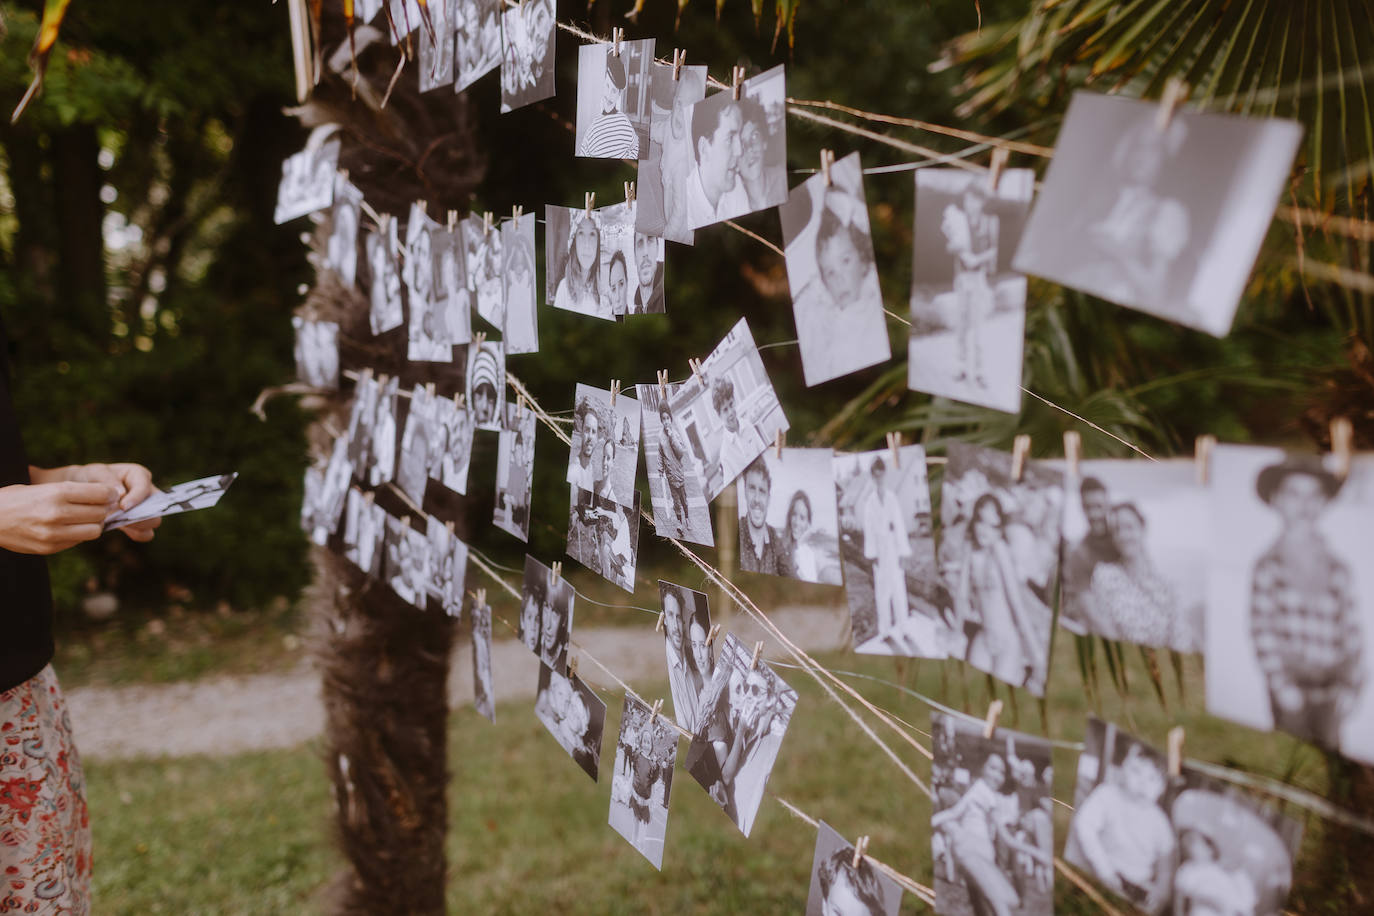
(459, 399)
(827, 160)
(1020, 448)
(679, 58)
(450, 527)
(894, 442)
(1000, 155)
(736, 81)
(452, 220)
(663, 383)
(424, 207)
(653, 713)
(1202, 456)
(990, 723)
(516, 211)
(589, 201)
(487, 222)
(343, 173)
(1073, 450)
(629, 192)
(754, 659)
(615, 390)
(711, 636)
(429, 390)
(557, 570)
(1342, 446)
(617, 35)
(572, 667)
(405, 522)
(695, 365)
(481, 597)
(479, 338)
(778, 442)
(658, 627)
(369, 497)
(860, 849)
(1175, 91)
(1176, 751)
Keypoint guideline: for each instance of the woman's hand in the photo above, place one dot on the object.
(46, 518)
(132, 483)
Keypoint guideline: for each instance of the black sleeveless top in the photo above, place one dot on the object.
(25, 596)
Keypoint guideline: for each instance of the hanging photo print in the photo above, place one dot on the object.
(1290, 596)
(451, 284)
(418, 444)
(483, 697)
(325, 494)
(317, 352)
(364, 530)
(546, 613)
(788, 525)
(515, 472)
(691, 664)
(405, 18)
(630, 257)
(483, 261)
(455, 445)
(613, 99)
(740, 147)
(728, 412)
(643, 777)
(437, 62)
(486, 379)
(382, 454)
(968, 306)
(428, 332)
(361, 419)
(341, 250)
(605, 445)
(407, 562)
(585, 258)
(604, 536)
(844, 886)
(887, 546)
(521, 331)
(1187, 844)
(836, 299)
(478, 48)
(528, 32)
(383, 248)
(666, 164)
(745, 714)
(307, 177)
(999, 557)
(449, 559)
(680, 507)
(1167, 218)
(574, 715)
(992, 825)
(1137, 536)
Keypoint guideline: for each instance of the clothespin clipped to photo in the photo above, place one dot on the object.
(617, 35)
(486, 222)
(695, 365)
(424, 207)
(827, 160)
(1020, 448)
(894, 442)
(1202, 456)
(557, 570)
(1342, 446)
(679, 58)
(589, 201)
(405, 522)
(860, 850)
(990, 723)
(629, 192)
(516, 211)
(429, 390)
(663, 383)
(658, 705)
(369, 497)
(452, 220)
(754, 659)
(1175, 91)
(459, 399)
(481, 597)
(1176, 751)
(658, 626)
(1000, 155)
(450, 527)
(711, 636)
(615, 390)
(736, 81)
(778, 443)
(343, 173)
(572, 667)
(479, 338)
(1073, 450)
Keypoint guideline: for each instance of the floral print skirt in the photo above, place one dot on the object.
(45, 833)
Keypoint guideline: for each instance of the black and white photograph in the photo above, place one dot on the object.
(680, 507)
(968, 306)
(418, 443)
(788, 522)
(384, 434)
(840, 887)
(666, 163)
(345, 217)
(1164, 219)
(331, 496)
(361, 418)
(207, 491)
(744, 716)
(578, 263)
(999, 560)
(436, 59)
(515, 472)
(631, 269)
(407, 561)
(486, 380)
(1136, 542)
(307, 177)
(1190, 844)
(527, 54)
(482, 258)
(992, 821)
(451, 284)
(604, 536)
(740, 151)
(728, 413)
(448, 557)
(521, 332)
(317, 352)
(546, 614)
(646, 253)
(836, 300)
(605, 444)
(483, 697)
(455, 445)
(364, 530)
(383, 249)
(691, 663)
(642, 779)
(613, 109)
(887, 549)
(574, 715)
(428, 332)
(1290, 596)
(310, 499)
(404, 16)
(478, 48)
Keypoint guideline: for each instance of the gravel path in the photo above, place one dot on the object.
(232, 715)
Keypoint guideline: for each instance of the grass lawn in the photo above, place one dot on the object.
(250, 834)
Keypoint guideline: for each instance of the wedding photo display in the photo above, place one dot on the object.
(521, 333)
(643, 777)
(1188, 844)
(382, 432)
(1168, 218)
(574, 715)
(483, 698)
(788, 524)
(887, 547)
(992, 825)
(728, 412)
(345, 217)
(604, 536)
(1137, 537)
(691, 663)
(307, 178)
(999, 560)
(666, 164)
(836, 300)
(744, 716)
(478, 48)
(740, 151)
(515, 472)
(1290, 596)
(968, 306)
(527, 73)
(186, 497)
(607, 269)
(605, 445)
(613, 111)
(680, 507)
(839, 887)
(546, 614)
(317, 352)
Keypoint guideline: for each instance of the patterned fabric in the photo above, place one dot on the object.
(45, 834)
(611, 136)
(1305, 637)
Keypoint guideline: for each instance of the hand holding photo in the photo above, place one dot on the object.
(643, 778)
(605, 444)
(613, 111)
(788, 524)
(740, 151)
(202, 494)
(842, 885)
(680, 507)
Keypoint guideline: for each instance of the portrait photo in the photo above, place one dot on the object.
(384, 278)
(521, 332)
(328, 498)
(427, 333)
(590, 262)
(478, 45)
(407, 562)
(604, 453)
(486, 380)
(482, 260)
(546, 614)
(364, 530)
(483, 697)
(449, 562)
(317, 352)
(680, 507)
(739, 146)
(451, 284)
(643, 777)
(839, 887)
(691, 663)
(613, 110)
(788, 524)
(307, 177)
(574, 715)
(632, 271)
(666, 163)
(455, 431)
(515, 472)
(437, 53)
(384, 435)
(341, 249)
(527, 53)
(604, 536)
(418, 443)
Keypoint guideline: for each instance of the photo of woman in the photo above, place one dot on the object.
(579, 290)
